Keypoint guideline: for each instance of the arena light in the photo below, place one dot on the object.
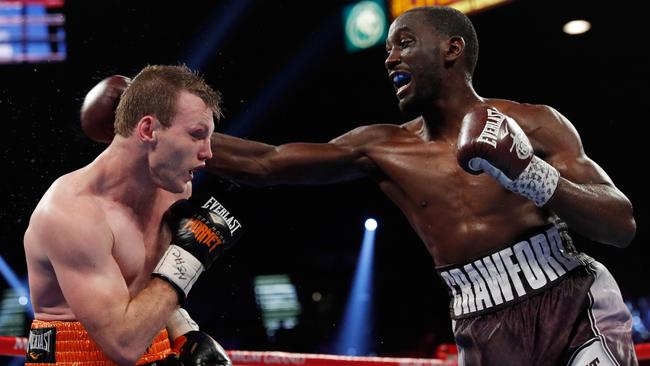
(12, 314)
(371, 224)
(365, 25)
(32, 31)
(14, 303)
(397, 7)
(278, 301)
(576, 27)
(11, 278)
(23, 300)
(355, 336)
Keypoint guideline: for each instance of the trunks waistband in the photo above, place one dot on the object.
(64, 343)
(511, 273)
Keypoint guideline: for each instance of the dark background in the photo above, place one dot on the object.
(285, 76)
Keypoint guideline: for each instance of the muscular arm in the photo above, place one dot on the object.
(79, 244)
(246, 161)
(260, 164)
(586, 198)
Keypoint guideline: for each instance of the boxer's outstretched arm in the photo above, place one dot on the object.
(586, 198)
(260, 164)
(78, 243)
(248, 161)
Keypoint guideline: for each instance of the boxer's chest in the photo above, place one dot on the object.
(425, 180)
(138, 247)
(426, 174)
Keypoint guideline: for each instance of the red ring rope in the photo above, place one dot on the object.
(16, 346)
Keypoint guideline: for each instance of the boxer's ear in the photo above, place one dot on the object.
(145, 129)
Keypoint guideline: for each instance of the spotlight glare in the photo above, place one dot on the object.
(316, 296)
(356, 333)
(371, 224)
(23, 300)
(575, 27)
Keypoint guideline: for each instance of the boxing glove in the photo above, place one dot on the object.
(197, 348)
(191, 346)
(492, 142)
(98, 108)
(199, 236)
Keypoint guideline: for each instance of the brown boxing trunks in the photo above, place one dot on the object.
(538, 302)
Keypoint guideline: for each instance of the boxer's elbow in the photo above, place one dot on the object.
(614, 224)
(627, 226)
(123, 355)
(621, 228)
(123, 351)
(127, 360)
(626, 233)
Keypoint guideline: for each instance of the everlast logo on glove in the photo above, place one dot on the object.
(41, 346)
(490, 135)
(493, 143)
(213, 205)
(199, 234)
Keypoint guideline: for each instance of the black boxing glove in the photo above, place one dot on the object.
(492, 142)
(191, 346)
(197, 348)
(199, 236)
(98, 109)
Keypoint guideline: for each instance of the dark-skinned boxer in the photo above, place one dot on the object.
(521, 292)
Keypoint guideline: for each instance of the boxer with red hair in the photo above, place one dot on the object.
(113, 248)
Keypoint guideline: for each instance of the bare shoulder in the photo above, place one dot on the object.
(66, 217)
(413, 126)
(377, 133)
(548, 130)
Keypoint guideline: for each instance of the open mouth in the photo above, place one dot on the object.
(192, 171)
(400, 79)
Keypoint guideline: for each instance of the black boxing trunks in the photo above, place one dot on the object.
(67, 343)
(538, 302)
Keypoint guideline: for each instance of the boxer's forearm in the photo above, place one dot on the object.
(124, 334)
(598, 211)
(261, 164)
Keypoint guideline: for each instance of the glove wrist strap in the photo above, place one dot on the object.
(180, 268)
(537, 182)
(180, 323)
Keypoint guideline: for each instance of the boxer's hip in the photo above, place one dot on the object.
(512, 273)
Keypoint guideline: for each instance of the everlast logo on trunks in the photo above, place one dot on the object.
(41, 346)
(213, 205)
(509, 274)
